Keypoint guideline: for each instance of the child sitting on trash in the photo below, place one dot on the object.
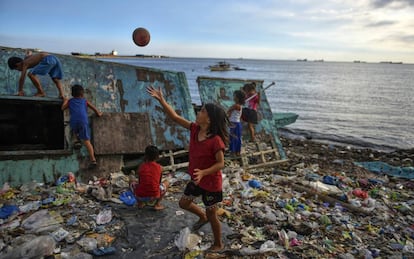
(150, 190)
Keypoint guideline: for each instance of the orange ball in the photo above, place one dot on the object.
(141, 37)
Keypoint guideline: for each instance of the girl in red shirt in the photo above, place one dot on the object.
(250, 112)
(208, 139)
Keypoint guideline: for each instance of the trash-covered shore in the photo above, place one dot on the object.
(319, 204)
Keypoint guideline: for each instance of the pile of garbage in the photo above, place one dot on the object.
(337, 210)
(66, 218)
(321, 204)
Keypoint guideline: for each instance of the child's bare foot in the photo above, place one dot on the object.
(20, 93)
(159, 207)
(40, 94)
(140, 205)
(216, 248)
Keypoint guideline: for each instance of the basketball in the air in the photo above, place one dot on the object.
(141, 37)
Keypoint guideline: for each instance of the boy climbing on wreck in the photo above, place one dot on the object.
(39, 64)
(208, 139)
(79, 123)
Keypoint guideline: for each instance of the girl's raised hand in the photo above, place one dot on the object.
(156, 93)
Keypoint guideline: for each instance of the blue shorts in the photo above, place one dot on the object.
(48, 65)
(81, 130)
(151, 201)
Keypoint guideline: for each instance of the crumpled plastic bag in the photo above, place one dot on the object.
(104, 216)
(87, 244)
(128, 198)
(36, 248)
(42, 221)
(187, 240)
(268, 246)
(119, 180)
(181, 240)
(101, 193)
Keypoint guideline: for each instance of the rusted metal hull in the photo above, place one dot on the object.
(132, 119)
(209, 89)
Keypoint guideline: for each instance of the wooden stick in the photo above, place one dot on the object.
(248, 99)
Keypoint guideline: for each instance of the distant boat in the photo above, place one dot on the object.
(224, 66)
(221, 66)
(302, 60)
(390, 62)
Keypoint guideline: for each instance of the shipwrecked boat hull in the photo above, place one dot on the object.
(379, 167)
(131, 120)
(36, 142)
(283, 119)
(209, 89)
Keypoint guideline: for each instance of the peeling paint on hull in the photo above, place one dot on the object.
(114, 89)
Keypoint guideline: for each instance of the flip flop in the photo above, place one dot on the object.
(104, 251)
(77, 145)
(198, 225)
(216, 251)
(92, 165)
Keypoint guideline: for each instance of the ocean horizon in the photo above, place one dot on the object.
(112, 58)
(357, 104)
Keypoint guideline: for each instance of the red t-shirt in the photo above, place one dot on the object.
(202, 155)
(252, 103)
(149, 180)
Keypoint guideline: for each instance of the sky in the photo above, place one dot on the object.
(332, 30)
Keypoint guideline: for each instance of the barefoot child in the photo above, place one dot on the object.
(41, 64)
(234, 113)
(150, 190)
(250, 112)
(208, 139)
(79, 123)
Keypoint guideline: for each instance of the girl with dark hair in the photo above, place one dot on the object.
(250, 112)
(208, 139)
(234, 113)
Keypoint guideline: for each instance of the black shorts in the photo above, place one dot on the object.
(249, 115)
(209, 198)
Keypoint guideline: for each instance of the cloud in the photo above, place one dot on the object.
(392, 3)
(381, 23)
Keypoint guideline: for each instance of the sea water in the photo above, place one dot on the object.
(358, 104)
